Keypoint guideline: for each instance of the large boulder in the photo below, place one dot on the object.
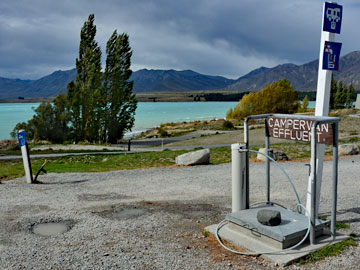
(273, 153)
(348, 149)
(194, 158)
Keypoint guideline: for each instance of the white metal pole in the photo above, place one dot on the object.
(238, 177)
(321, 109)
(25, 156)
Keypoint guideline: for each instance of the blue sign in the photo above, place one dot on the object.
(22, 138)
(331, 55)
(332, 18)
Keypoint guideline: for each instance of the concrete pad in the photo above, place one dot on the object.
(231, 233)
(290, 231)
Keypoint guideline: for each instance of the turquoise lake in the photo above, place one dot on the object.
(148, 114)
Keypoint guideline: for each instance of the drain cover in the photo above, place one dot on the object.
(50, 229)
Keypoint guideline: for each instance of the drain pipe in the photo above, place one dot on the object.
(25, 155)
(238, 174)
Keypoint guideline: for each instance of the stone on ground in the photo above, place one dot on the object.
(348, 149)
(273, 153)
(199, 157)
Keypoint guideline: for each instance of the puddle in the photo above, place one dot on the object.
(123, 213)
(50, 229)
(102, 197)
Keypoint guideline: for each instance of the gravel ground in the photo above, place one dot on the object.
(154, 218)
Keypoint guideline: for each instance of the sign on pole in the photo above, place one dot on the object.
(331, 57)
(332, 18)
(22, 138)
(25, 155)
(297, 129)
(328, 61)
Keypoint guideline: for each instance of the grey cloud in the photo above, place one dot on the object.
(228, 38)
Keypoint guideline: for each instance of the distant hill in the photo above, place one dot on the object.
(144, 81)
(48, 86)
(176, 81)
(303, 78)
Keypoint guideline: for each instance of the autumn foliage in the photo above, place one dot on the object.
(279, 97)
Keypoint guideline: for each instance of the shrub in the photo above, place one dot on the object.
(227, 125)
(279, 97)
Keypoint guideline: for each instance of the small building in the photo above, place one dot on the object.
(357, 104)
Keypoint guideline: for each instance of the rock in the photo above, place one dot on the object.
(275, 154)
(194, 158)
(348, 149)
(269, 217)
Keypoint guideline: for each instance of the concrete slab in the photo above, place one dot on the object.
(292, 229)
(231, 233)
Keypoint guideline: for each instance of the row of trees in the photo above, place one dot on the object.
(341, 95)
(99, 106)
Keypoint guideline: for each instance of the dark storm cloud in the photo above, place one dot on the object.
(228, 38)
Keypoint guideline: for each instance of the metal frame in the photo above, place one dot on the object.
(317, 121)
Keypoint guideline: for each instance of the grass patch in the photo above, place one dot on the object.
(52, 151)
(10, 169)
(340, 225)
(328, 251)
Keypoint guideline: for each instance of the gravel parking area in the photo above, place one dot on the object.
(153, 218)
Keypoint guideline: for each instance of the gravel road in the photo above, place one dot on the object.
(153, 218)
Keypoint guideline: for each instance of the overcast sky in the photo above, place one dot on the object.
(215, 37)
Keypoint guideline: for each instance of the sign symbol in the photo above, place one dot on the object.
(331, 58)
(333, 15)
(331, 55)
(332, 18)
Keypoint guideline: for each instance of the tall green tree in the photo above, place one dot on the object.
(84, 92)
(117, 96)
(350, 96)
(333, 91)
(340, 96)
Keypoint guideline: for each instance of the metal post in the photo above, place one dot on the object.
(25, 155)
(321, 109)
(238, 158)
(313, 183)
(129, 145)
(267, 146)
(246, 140)
(334, 180)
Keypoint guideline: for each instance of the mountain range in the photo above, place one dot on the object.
(303, 78)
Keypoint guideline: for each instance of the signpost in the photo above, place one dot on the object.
(25, 155)
(331, 57)
(298, 129)
(332, 18)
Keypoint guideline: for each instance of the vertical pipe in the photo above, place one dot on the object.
(238, 177)
(267, 146)
(313, 183)
(25, 155)
(247, 185)
(334, 179)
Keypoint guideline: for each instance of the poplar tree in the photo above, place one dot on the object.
(333, 91)
(120, 103)
(350, 96)
(340, 96)
(84, 92)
